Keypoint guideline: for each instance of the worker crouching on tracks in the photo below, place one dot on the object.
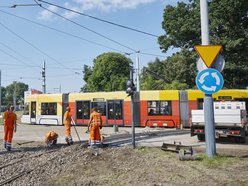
(67, 124)
(94, 126)
(51, 138)
(9, 118)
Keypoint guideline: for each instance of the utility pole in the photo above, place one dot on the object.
(137, 72)
(208, 100)
(44, 78)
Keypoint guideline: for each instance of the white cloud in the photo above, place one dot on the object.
(89, 5)
(110, 5)
(46, 15)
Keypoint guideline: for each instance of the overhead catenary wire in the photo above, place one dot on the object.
(19, 60)
(100, 19)
(78, 37)
(17, 35)
(60, 31)
(14, 51)
(90, 30)
(36, 66)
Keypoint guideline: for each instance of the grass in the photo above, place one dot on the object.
(216, 161)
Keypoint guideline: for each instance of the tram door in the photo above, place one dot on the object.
(33, 112)
(82, 112)
(115, 112)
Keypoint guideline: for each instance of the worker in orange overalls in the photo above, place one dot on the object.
(67, 124)
(94, 126)
(9, 118)
(51, 138)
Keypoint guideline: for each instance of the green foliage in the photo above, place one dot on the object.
(176, 85)
(19, 89)
(87, 71)
(182, 26)
(228, 23)
(152, 77)
(217, 161)
(176, 72)
(109, 73)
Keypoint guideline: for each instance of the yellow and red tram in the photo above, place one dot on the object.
(157, 108)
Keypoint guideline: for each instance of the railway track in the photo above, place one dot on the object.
(124, 139)
(25, 160)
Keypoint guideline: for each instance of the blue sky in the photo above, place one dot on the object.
(24, 45)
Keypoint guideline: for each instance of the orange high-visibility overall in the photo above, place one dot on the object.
(95, 127)
(9, 119)
(67, 123)
(51, 136)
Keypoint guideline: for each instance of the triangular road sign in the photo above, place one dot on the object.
(208, 53)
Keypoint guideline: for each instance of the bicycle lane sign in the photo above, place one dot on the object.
(209, 81)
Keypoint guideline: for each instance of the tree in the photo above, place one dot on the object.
(176, 72)
(153, 76)
(17, 87)
(228, 27)
(87, 71)
(109, 73)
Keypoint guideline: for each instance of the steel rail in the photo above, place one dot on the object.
(13, 178)
(34, 156)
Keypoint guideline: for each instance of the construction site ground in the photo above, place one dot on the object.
(147, 164)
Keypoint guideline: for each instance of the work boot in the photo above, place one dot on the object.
(5, 145)
(70, 141)
(67, 141)
(54, 143)
(8, 146)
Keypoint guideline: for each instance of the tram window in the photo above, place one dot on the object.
(26, 109)
(86, 109)
(33, 109)
(100, 106)
(79, 109)
(159, 108)
(48, 108)
(118, 109)
(83, 109)
(153, 108)
(165, 107)
(111, 110)
(115, 109)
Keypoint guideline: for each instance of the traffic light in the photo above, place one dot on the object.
(130, 88)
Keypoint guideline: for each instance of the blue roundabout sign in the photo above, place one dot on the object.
(209, 81)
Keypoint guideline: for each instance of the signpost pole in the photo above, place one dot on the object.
(132, 111)
(208, 100)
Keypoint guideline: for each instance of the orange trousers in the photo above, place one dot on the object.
(95, 132)
(8, 134)
(67, 130)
